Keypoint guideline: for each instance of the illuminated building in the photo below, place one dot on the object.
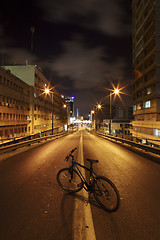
(70, 104)
(146, 65)
(38, 117)
(14, 106)
(70, 101)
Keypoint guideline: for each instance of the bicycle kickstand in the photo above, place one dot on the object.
(89, 198)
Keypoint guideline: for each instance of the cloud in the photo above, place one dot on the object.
(15, 56)
(86, 67)
(103, 15)
(78, 67)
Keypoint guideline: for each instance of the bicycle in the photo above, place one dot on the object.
(72, 180)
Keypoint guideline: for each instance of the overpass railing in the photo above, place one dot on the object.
(27, 141)
(140, 146)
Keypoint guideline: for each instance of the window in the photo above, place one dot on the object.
(147, 104)
(139, 106)
(134, 108)
(157, 132)
(149, 90)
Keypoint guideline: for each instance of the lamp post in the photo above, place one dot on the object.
(48, 91)
(115, 91)
(99, 106)
(66, 106)
(93, 118)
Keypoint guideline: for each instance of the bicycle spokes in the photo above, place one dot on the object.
(69, 180)
(105, 193)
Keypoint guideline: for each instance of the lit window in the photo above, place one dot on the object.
(139, 106)
(149, 90)
(134, 108)
(157, 132)
(147, 104)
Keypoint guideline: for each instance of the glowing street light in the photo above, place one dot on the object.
(114, 92)
(66, 106)
(99, 106)
(92, 118)
(48, 92)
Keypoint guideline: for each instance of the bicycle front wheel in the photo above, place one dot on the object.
(69, 180)
(106, 193)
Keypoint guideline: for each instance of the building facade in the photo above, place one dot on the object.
(14, 106)
(39, 106)
(146, 65)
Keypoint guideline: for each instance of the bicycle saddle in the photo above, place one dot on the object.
(92, 160)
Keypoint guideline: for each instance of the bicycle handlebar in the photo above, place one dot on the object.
(73, 150)
(70, 155)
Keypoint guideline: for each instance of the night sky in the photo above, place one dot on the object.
(83, 47)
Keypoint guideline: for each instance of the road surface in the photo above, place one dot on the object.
(33, 207)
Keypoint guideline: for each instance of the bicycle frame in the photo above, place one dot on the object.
(87, 186)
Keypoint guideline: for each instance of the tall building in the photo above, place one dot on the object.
(70, 102)
(28, 109)
(146, 65)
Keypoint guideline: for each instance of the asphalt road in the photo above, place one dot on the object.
(33, 207)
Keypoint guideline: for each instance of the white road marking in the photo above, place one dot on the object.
(83, 228)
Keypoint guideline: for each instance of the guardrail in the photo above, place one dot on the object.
(147, 149)
(15, 146)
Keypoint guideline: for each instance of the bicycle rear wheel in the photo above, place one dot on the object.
(69, 180)
(106, 193)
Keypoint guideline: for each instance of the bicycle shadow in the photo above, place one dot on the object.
(67, 210)
(83, 199)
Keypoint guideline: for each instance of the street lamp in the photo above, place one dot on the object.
(114, 92)
(48, 91)
(93, 118)
(66, 106)
(98, 107)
